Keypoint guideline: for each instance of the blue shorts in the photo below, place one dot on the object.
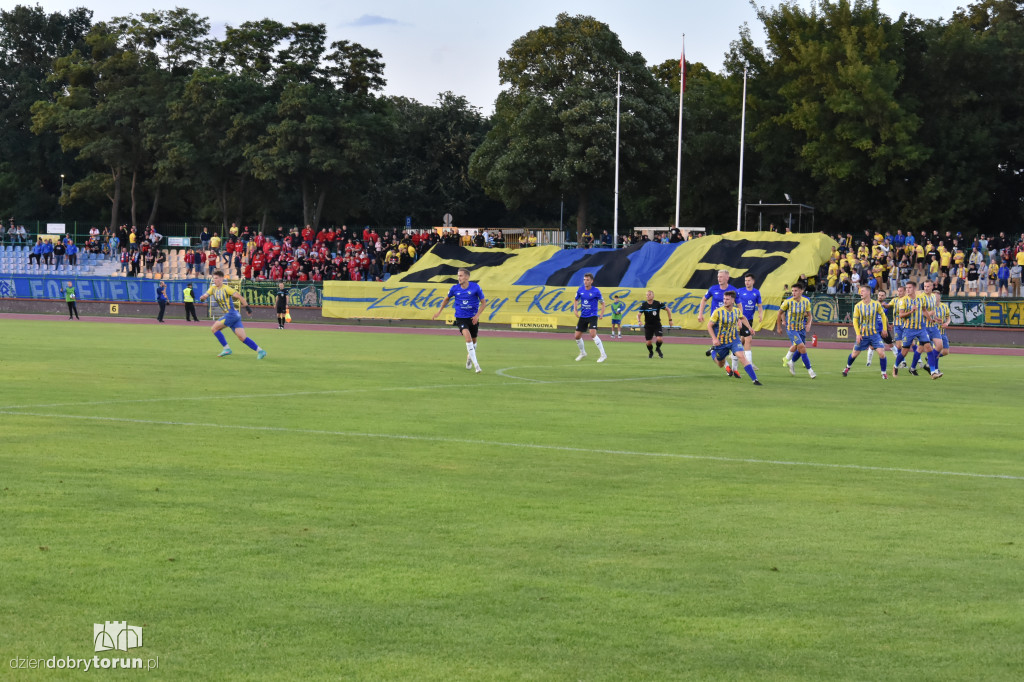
(869, 341)
(897, 332)
(232, 321)
(945, 341)
(934, 332)
(723, 349)
(919, 335)
(797, 336)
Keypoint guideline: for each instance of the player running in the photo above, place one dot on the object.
(749, 300)
(723, 329)
(715, 294)
(225, 297)
(944, 316)
(911, 309)
(865, 322)
(588, 306)
(469, 304)
(651, 311)
(795, 313)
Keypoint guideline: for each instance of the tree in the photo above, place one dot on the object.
(838, 67)
(554, 127)
(31, 165)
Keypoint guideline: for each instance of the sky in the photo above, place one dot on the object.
(441, 45)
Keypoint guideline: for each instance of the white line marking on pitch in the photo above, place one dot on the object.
(526, 446)
(517, 381)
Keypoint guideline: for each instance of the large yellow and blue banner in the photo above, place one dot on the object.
(535, 287)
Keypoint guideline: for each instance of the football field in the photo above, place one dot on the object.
(360, 506)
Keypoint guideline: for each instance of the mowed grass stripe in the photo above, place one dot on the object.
(506, 444)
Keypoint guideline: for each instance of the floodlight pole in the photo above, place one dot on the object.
(618, 106)
(743, 132)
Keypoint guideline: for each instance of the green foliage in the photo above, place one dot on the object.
(877, 122)
(553, 129)
(31, 165)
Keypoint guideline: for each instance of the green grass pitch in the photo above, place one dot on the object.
(359, 506)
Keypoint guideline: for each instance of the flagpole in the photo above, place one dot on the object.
(743, 133)
(679, 151)
(618, 104)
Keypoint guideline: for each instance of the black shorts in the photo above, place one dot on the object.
(586, 323)
(466, 323)
(281, 308)
(652, 330)
(744, 332)
(887, 338)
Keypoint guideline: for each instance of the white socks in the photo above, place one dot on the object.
(579, 342)
(471, 349)
(597, 342)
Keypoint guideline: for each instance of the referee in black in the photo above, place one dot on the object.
(651, 311)
(282, 304)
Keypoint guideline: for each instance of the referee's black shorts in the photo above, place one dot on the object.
(652, 330)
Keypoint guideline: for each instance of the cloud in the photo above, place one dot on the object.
(373, 20)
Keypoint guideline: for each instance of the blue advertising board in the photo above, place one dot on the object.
(116, 289)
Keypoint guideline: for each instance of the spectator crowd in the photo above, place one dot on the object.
(982, 266)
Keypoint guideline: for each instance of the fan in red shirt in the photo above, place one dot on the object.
(307, 235)
(211, 260)
(276, 272)
(258, 262)
(353, 270)
(364, 265)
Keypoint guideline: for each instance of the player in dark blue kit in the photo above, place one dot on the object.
(469, 304)
(588, 306)
(749, 301)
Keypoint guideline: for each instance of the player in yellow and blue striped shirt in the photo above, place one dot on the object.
(724, 327)
(225, 297)
(912, 310)
(866, 316)
(943, 316)
(795, 312)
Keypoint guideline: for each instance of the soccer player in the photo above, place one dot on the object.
(651, 311)
(865, 322)
(897, 325)
(469, 304)
(795, 312)
(931, 298)
(882, 326)
(943, 314)
(618, 308)
(724, 332)
(225, 297)
(281, 304)
(715, 294)
(588, 306)
(749, 300)
(911, 310)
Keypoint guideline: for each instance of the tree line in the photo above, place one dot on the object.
(878, 122)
